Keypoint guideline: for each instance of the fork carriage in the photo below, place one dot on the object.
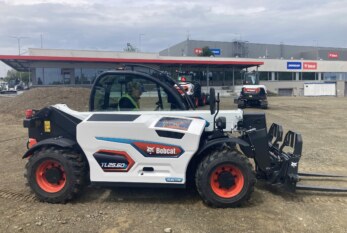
(281, 167)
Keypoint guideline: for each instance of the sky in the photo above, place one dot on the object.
(155, 25)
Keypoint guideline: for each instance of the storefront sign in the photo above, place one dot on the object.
(310, 65)
(198, 51)
(216, 51)
(333, 55)
(293, 65)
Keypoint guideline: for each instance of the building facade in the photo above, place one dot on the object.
(284, 69)
(79, 67)
(245, 49)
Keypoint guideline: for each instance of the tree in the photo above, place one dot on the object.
(206, 52)
(130, 48)
(14, 75)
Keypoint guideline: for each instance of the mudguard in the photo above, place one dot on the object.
(220, 141)
(58, 142)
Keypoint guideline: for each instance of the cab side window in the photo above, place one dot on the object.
(129, 92)
(107, 92)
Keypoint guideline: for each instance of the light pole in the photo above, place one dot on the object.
(140, 36)
(18, 38)
(41, 37)
(316, 48)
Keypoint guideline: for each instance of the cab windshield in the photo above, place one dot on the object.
(251, 79)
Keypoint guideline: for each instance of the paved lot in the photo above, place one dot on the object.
(322, 122)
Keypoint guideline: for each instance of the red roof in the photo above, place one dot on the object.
(19, 62)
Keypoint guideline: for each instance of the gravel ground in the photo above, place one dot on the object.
(322, 122)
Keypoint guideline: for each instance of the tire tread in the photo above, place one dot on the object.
(78, 177)
(219, 154)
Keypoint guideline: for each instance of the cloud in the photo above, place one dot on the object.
(37, 2)
(109, 25)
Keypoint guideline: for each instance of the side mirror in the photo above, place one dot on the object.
(212, 101)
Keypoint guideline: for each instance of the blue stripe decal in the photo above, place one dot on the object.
(131, 142)
(119, 140)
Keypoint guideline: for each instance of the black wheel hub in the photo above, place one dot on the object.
(53, 175)
(226, 180)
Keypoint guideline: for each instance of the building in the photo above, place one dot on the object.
(80, 67)
(245, 49)
(284, 69)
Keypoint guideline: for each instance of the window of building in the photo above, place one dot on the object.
(264, 76)
(237, 78)
(332, 76)
(49, 76)
(308, 76)
(87, 75)
(286, 76)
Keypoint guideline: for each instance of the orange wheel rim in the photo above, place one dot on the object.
(227, 181)
(50, 176)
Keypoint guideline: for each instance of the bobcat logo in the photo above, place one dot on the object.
(150, 150)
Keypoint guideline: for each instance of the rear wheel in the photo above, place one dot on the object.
(225, 178)
(242, 106)
(56, 175)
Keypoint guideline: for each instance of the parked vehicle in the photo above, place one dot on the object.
(193, 89)
(252, 93)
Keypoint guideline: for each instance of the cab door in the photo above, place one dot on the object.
(110, 87)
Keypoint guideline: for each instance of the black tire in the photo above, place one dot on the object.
(197, 89)
(264, 106)
(72, 172)
(238, 192)
(263, 103)
(242, 106)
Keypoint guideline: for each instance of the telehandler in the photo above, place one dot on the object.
(161, 143)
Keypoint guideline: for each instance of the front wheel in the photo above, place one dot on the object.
(263, 104)
(225, 178)
(241, 106)
(55, 175)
